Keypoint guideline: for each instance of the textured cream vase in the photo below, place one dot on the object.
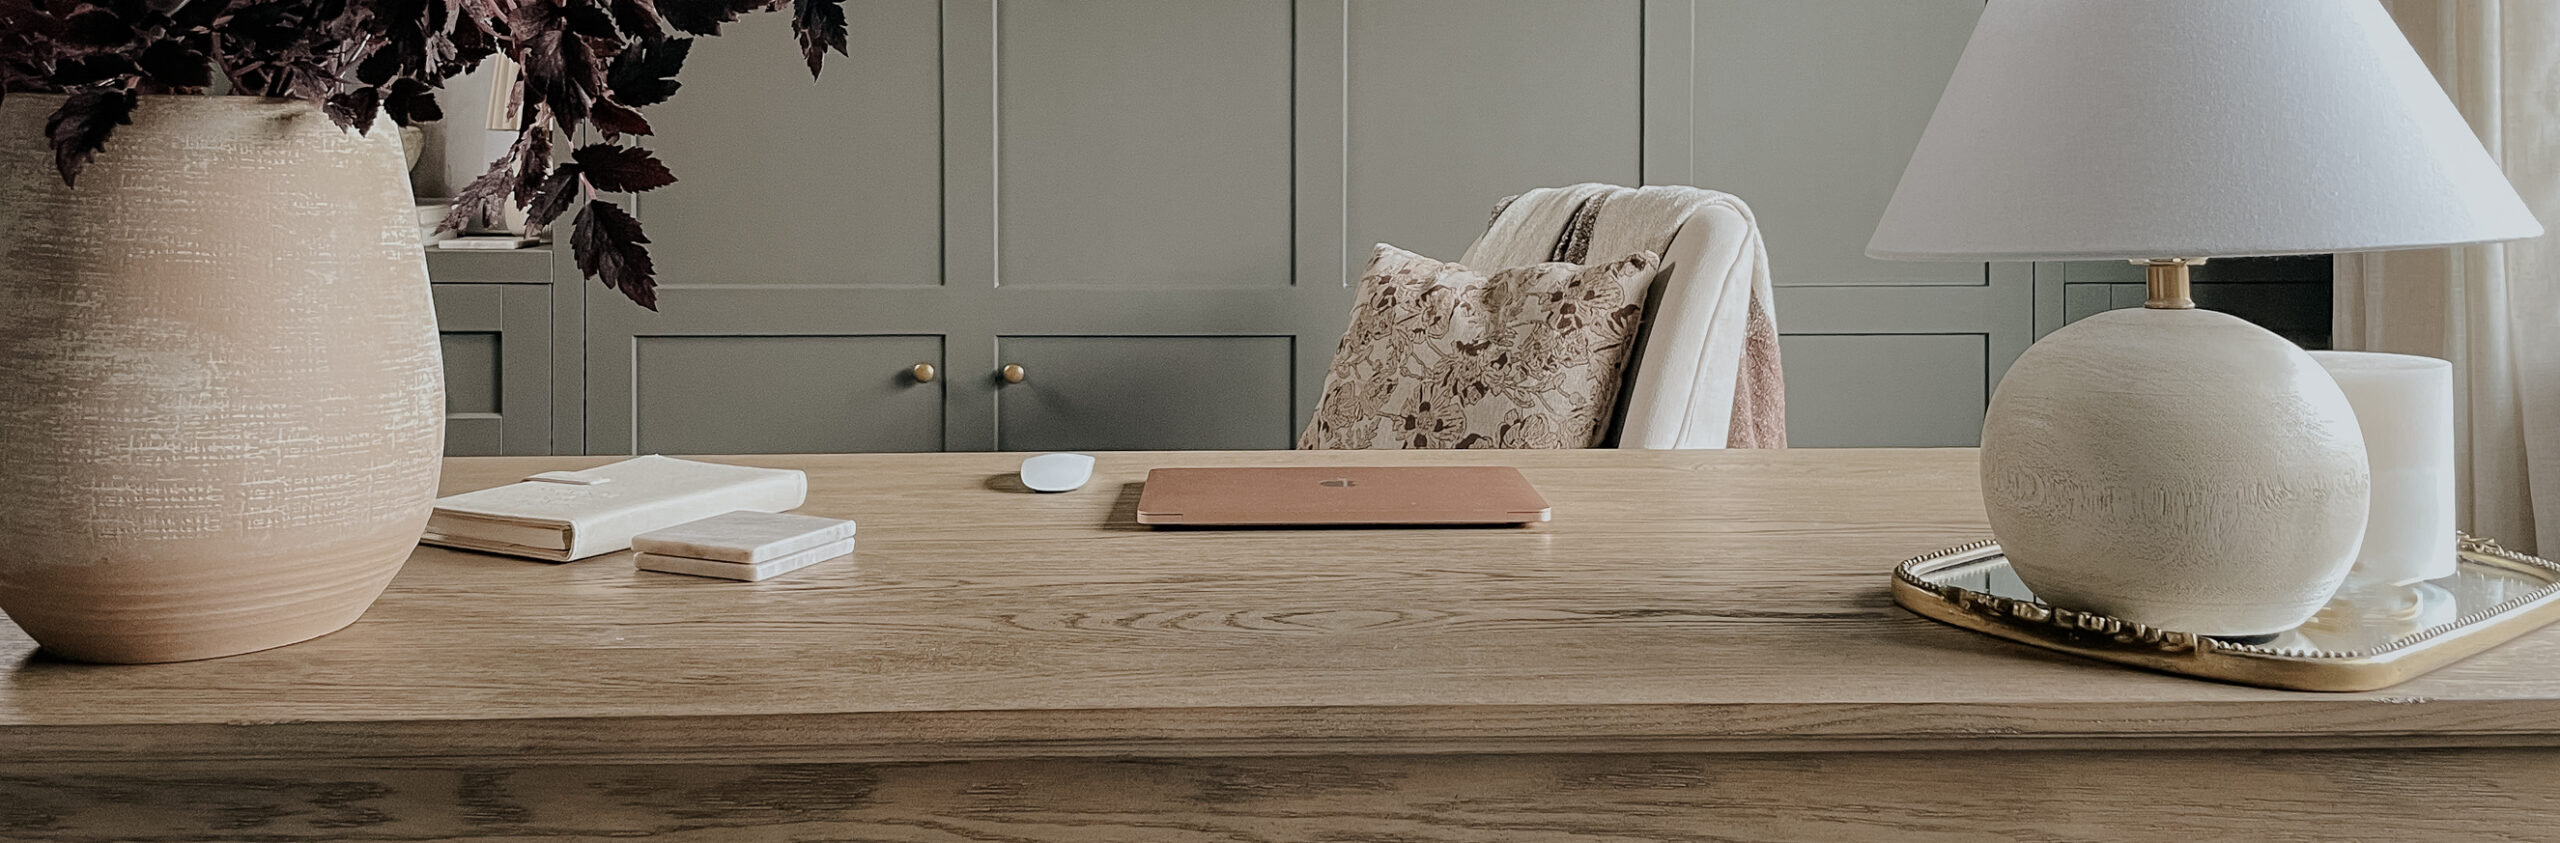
(2179, 468)
(221, 397)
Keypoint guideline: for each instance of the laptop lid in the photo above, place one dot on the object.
(1320, 496)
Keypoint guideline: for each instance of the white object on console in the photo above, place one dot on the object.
(2166, 465)
(2178, 468)
(1057, 472)
(2193, 129)
(559, 516)
(2404, 404)
(744, 573)
(745, 537)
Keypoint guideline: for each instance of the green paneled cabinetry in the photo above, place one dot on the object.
(1155, 208)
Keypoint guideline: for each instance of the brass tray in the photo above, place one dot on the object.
(2360, 642)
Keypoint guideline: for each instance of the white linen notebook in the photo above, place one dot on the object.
(561, 516)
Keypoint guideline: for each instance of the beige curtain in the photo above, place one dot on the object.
(2492, 310)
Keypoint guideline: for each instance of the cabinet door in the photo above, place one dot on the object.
(800, 259)
(1151, 197)
(497, 368)
(1146, 393)
(1158, 201)
(1143, 263)
(785, 395)
(1898, 390)
(1450, 105)
(1126, 125)
(1809, 110)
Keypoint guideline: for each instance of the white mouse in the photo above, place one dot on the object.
(1057, 472)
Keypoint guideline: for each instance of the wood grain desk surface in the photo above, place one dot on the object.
(1699, 601)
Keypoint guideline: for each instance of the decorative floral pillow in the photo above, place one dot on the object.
(1440, 356)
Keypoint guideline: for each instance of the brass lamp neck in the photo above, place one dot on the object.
(2168, 283)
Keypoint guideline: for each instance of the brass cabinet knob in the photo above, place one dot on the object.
(923, 372)
(1012, 373)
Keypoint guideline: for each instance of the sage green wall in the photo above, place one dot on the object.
(1156, 207)
(1808, 110)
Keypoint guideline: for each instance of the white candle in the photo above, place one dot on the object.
(2405, 405)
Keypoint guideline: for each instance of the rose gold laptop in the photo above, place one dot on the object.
(1318, 496)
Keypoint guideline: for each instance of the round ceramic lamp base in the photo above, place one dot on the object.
(2179, 468)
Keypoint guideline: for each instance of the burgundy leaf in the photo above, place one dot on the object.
(557, 194)
(473, 41)
(404, 26)
(481, 12)
(515, 176)
(175, 64)
(560, 70)
(265, 29)
(96, 28)
(475, 30)
(26, 22)
(820, 25)
(355, 109)
(638, 20)
(411, 102)
(645, 74)
(80, 128)
(93, 69)
(704, 17)
(307, 79)
(615, 120)
(590, 21)
(532, 152)
(483, 199)
(609, 247)
(195, 16)
(526, 20)
(621, 169)
(378, 68)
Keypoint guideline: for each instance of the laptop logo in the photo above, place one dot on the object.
(1338, 483)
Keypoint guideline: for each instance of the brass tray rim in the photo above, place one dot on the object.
(2097, 636)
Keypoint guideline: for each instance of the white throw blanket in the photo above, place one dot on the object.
(1526, 226)
(1708, 375)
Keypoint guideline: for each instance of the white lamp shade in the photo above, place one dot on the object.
(2131, 129)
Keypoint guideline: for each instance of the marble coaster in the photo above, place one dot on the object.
(742, 571)
(746, 538)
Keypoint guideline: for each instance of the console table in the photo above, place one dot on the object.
(1701, 646)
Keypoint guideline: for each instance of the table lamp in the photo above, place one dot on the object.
(2167, 465)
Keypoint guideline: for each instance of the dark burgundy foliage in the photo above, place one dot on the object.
(82, 126)
(704, 17)
(608, 245)
(645, 75)
(620, 169)
(584, 63)
(820, 25)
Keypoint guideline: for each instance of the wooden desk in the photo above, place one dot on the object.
(1701, 647)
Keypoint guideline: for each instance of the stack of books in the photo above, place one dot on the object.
(560, 516)
(746, 546)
